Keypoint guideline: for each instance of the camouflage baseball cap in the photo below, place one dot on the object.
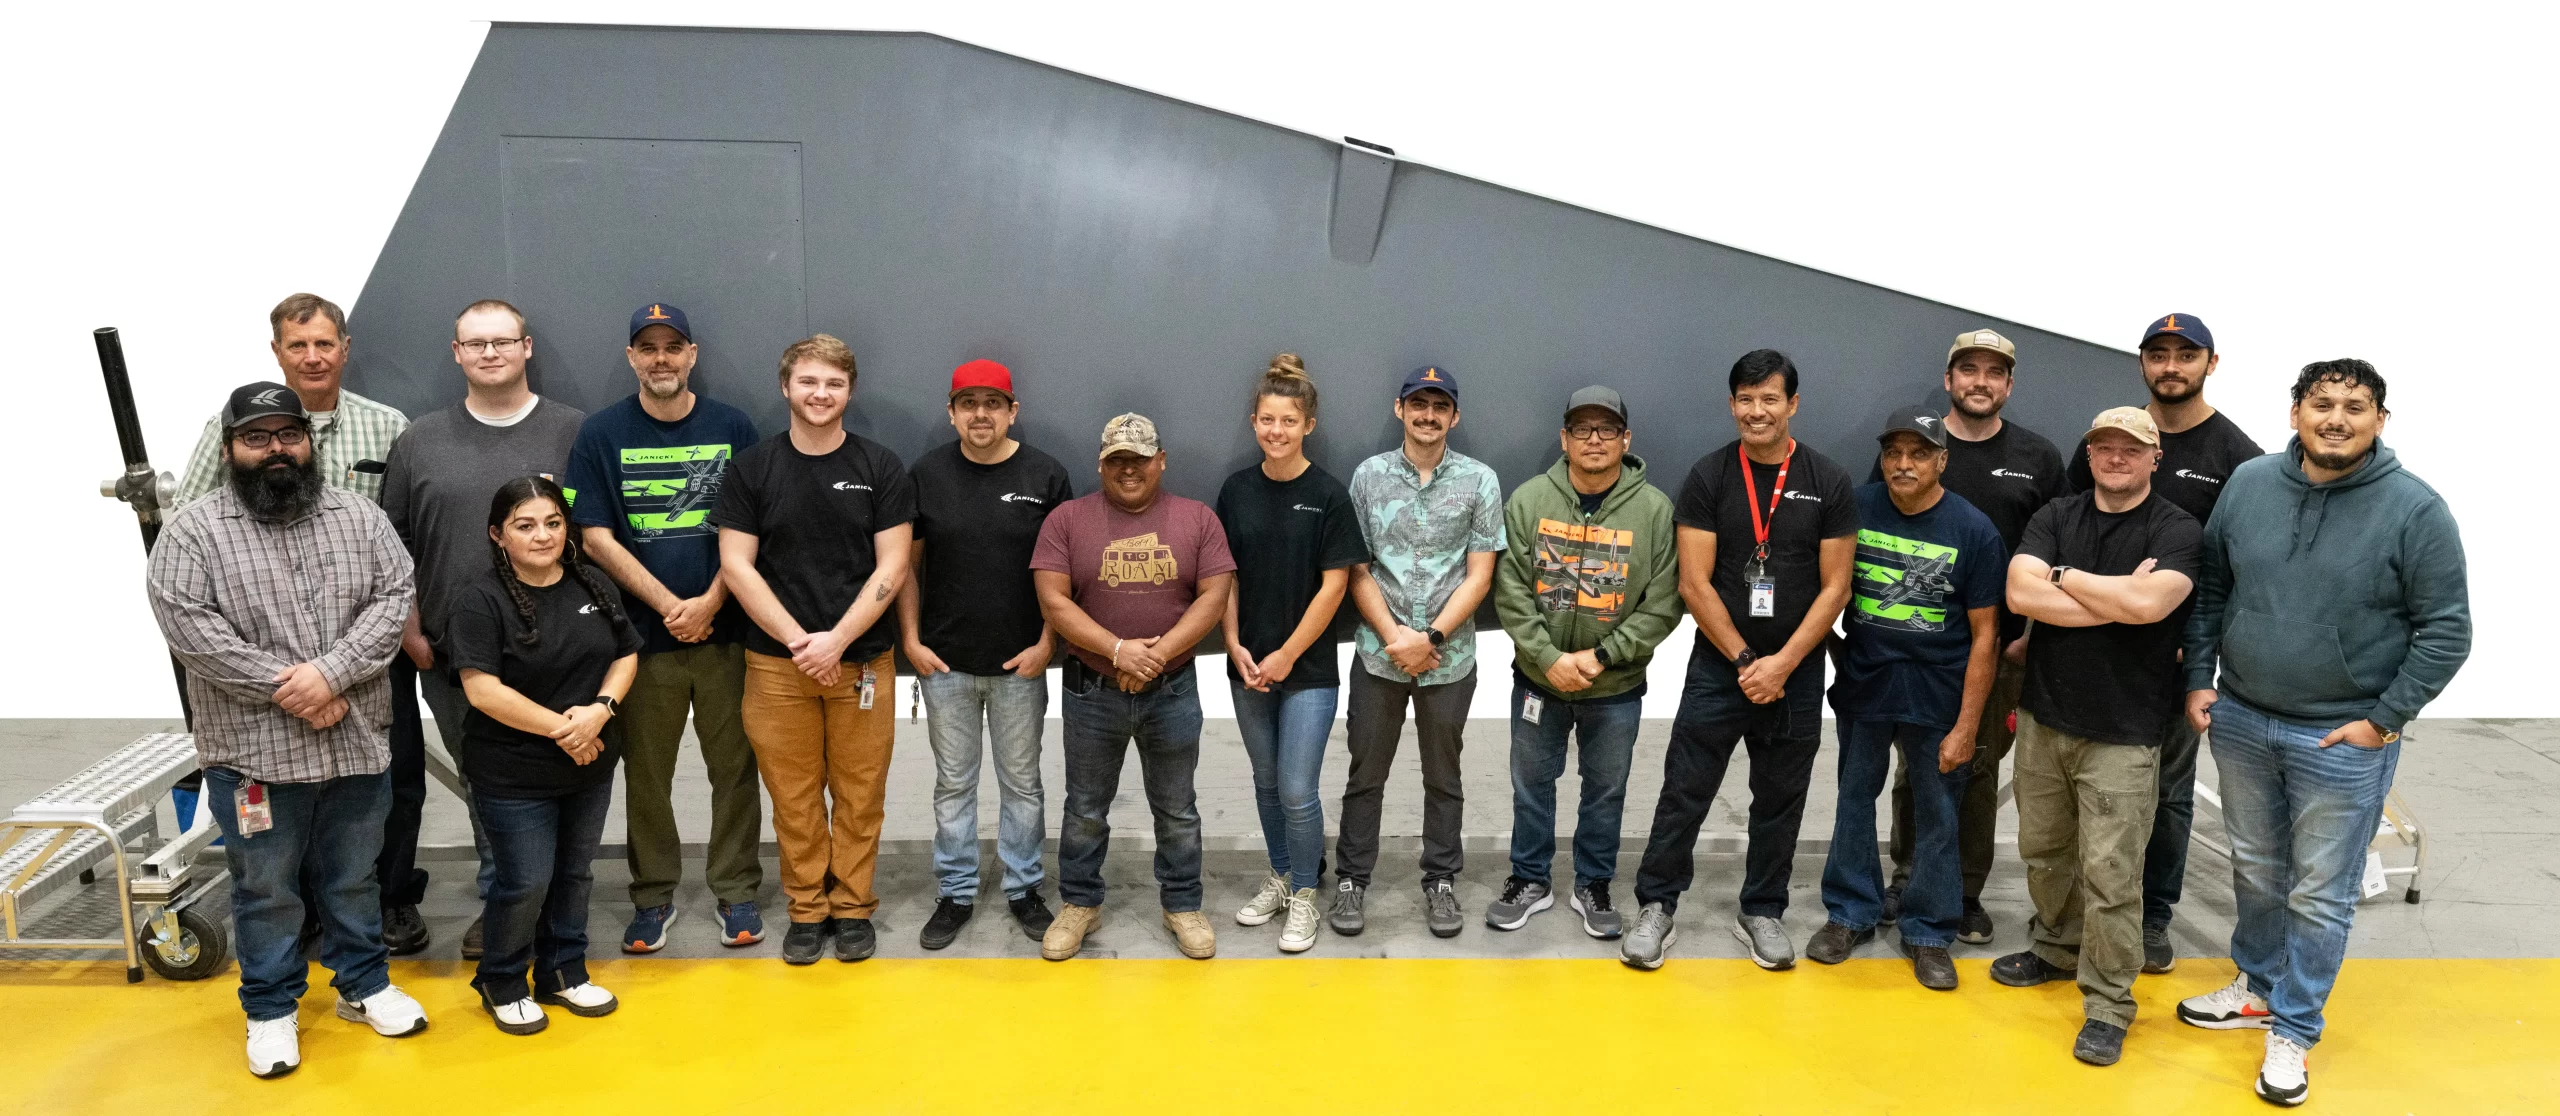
(1131, 433)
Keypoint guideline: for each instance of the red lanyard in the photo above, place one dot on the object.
(1751, 495)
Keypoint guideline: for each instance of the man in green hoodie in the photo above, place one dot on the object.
(2333, 604)
(1585, 605)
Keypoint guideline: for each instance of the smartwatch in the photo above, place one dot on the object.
(1746, 658)
(1601, 654)
(2057, 574)
(610, 706)
(1438, 638)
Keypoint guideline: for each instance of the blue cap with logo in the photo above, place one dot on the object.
(659, 313)
(1420, 378)
(2187, 326)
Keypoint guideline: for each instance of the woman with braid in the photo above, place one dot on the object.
(545, 657)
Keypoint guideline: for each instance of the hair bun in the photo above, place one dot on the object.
(1287, 366)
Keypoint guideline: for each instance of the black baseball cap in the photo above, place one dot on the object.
(659, 313)
(1916, 420)
(260, 400)
(1428, 377)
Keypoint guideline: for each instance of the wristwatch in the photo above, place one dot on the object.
(2057, 574)
(1438, 638)
(1746, 658)
(1601, 654)
(610, 706)
(2388, 736)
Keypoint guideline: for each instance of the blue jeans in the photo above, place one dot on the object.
(536, 919)
(1608, 744)
(1853, 877)
(971, 712)
(1101, 723)
(327, 833)
(1284, 733)
(2300, 818)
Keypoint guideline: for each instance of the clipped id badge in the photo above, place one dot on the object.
(250, 810)
(870, 686)
(1764, 589)
(1531, 707)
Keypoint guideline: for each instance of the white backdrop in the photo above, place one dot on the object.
(2315, 181)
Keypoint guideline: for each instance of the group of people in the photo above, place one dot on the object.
(565, 590)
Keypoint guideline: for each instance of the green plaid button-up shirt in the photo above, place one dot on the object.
(359, 430)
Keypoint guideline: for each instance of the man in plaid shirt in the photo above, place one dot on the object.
(284, 598)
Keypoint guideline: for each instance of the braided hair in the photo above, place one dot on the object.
(502, 507)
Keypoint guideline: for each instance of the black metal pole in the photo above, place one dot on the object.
(140, 486)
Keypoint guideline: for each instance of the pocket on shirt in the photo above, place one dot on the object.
(2287, 660)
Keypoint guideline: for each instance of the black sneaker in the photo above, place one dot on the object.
(1033, 913)
(1892, 904)
(2157, 956)
(471, 941)
(2099, 1044)
(1833, 943)
(1975, 927)
(1931, 966)
(949, 915)
(801, 943)
(2024, 969)
(854, 939)
(403, 932)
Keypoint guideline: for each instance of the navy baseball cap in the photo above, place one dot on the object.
(659, 313)
(2187, 326)
(1421, 378)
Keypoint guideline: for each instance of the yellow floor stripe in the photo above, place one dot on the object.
(1304, 1034)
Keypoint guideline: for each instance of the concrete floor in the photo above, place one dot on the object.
(2488, 791)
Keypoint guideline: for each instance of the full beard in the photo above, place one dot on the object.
(277, 494)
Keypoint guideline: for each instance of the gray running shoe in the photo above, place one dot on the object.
(1653, 934)
(2157, 956)
(1440, 908)
(1767, 939)
(1520, 898)
(1345, 916)
(1600, 917)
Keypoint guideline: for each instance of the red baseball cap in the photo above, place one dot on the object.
(982, 374)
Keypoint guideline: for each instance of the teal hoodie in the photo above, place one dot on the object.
(2325, 603)
(1571, 582)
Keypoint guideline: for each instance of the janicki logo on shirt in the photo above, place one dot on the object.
(2013, 473)
(1011, 497)
(849, 486)
(1138, 558)
(2190, 475)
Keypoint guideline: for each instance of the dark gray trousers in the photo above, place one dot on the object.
(1376, 714)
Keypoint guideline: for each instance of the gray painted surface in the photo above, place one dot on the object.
(933, 202)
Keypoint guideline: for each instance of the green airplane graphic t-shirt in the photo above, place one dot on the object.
(1908, 635)
(655, 483)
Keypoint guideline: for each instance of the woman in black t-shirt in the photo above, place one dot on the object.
(545, 656)
(1295, 539)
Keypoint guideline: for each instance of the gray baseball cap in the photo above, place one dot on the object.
(1597, 396)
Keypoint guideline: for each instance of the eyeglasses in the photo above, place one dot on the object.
(1586, 432)
(261, 439)
(498, 344)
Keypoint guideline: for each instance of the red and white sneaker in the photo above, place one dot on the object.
(2285, 1077)
(2228, 1008)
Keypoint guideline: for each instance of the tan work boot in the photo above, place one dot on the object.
(1066, 935)
(1191, 932)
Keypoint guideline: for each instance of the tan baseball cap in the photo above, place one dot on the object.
(2131, 420)
(1983, 339)
(1131, 433)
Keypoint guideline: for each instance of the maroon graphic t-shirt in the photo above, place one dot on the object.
(1134, 574)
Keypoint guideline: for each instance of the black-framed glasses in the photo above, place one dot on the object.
(477, 347)
(1606, 432)
(261, 439)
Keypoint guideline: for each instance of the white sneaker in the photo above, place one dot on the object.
(517, 1017)
(1266, 902)
(2284, 1078)
(589, 1000)
(391, 1012)
(2228, 1008)
(275, 1046)
(1299, 933)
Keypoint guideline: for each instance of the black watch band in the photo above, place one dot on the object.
(1438, 637)
(1745, 658)
(1601, 654)
(610, 705)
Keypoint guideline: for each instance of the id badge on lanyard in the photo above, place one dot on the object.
(1755, 573)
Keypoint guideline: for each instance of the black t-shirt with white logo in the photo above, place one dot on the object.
(2194, 464)
(1284, 535)
(564, 669)
(1819, 504)
(2116, 683)
(978, 524)
(814, 515)
(2008, 476)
